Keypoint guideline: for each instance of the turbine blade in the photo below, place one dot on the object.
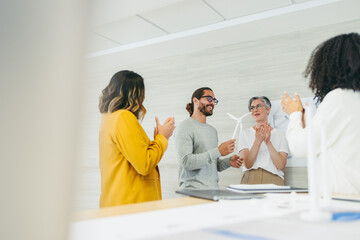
(234, 134)
(245, 115)
(232, 116)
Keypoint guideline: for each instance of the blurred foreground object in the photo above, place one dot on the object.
(40, 74)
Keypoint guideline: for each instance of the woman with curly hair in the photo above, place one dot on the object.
(128, 159)
(334, 71)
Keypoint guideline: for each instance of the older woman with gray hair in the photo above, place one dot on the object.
(263, 149)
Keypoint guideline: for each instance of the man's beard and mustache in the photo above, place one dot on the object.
(203, 109)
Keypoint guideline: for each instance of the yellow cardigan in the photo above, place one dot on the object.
(128, 160)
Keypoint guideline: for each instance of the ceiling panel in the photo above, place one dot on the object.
(128, 30)
(183, 16)
(105, 11)
(98, 43)
(237, 8)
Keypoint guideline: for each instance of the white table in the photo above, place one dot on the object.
(273, 217)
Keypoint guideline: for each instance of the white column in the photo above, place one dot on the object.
(40, 74)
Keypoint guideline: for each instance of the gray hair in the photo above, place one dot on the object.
(264, 99)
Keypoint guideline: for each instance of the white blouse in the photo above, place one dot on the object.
(263, 159)
(339, 115)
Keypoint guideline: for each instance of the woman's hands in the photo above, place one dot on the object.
(267, 131)
(263, 133)
(289, 105)
(259, 134)
(166, 129)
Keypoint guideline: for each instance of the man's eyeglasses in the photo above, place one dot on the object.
(210, 99)
(258, 106)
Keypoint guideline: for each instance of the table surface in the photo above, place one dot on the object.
(194, 218)
(137, 208)
(155, 205)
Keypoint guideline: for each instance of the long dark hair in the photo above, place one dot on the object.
(198, 94)
(126, 90)
(335, 63)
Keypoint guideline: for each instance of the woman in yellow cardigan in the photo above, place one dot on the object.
(128, 159)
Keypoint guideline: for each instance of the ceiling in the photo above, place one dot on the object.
(118, 26)
(115, 23)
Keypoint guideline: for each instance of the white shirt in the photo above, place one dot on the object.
(339, 115)
(263, 159)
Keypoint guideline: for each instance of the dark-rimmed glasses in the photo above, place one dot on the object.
(210, 99)
(258, 106)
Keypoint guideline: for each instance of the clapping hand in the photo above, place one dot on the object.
(263, 133)
(267, 130)
(260, 133)
(166, 129)
(289, 105)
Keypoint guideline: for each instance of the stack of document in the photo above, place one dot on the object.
(217, 194)
(263, 188)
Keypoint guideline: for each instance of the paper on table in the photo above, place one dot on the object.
(257, 186)
(166, 222)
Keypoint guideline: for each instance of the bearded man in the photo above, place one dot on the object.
(197, 145)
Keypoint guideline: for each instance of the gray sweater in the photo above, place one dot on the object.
(198, 153)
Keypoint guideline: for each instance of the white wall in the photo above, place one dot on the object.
(236, 72)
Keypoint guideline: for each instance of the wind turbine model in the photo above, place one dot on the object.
(238, 121)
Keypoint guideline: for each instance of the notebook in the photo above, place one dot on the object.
(257, 186)
(263, 188)
(217, 195)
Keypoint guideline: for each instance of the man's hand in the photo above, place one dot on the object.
(227, 147)
(236, 161)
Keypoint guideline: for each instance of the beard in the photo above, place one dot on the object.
(203, 110)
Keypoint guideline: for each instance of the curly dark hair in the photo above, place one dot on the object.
(335, 63)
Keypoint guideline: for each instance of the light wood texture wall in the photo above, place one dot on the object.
(235, 73)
